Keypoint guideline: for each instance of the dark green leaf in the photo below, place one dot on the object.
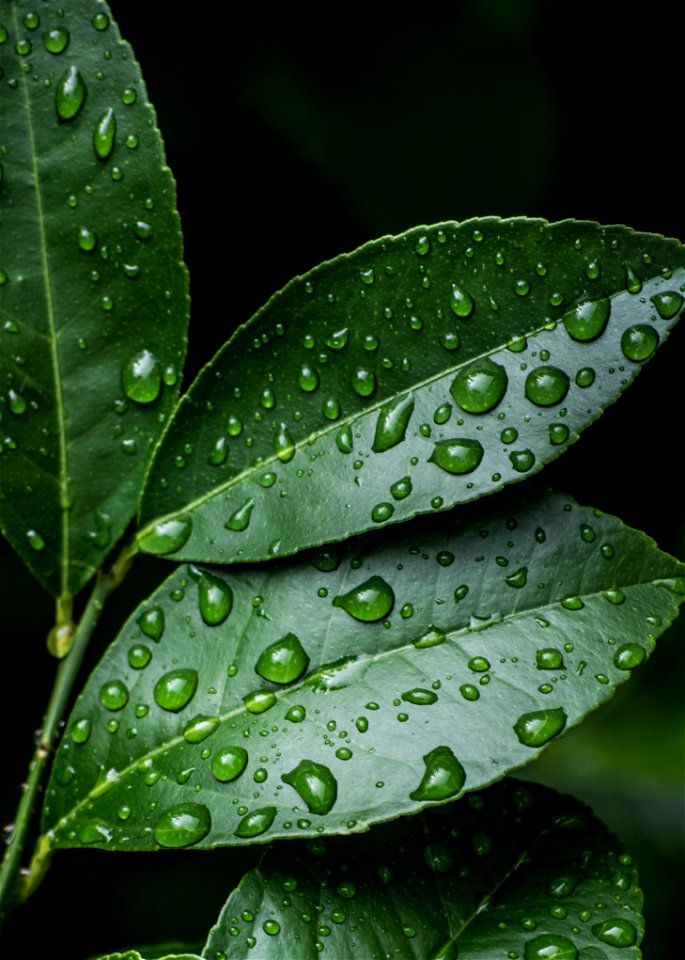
(151, 954)
(415, 373)
(93, 292)
(350, 688)
(517, 871)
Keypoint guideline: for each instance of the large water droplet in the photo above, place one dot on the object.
(549, 659)
(370, 601)
(537, 728)
(432, 637)
(363, 382)
(70, 94)
(315, 784)
(255, 823)
(114, 695)
(518, 579)
(229, 763)
(283, 661)
(284, 445)
(629, 655)
(141, 377)
(461, 302)
(459, 455)
(391, 425)
(183, 825)
(588, 320)
(176, 689)
(667, 304)
(81, 730)
(546, 386)
(240, 519)
(617, 932)
(56, 41)
(550, 946)
(307, 378)
(639, 342)
(167, 536)
(259, 701)
(199, 728)
(216, 599)
(443, 777)
(151, 622)
(104, 133)
(480, 386)
(419, 696)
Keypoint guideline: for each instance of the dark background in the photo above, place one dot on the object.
(296, 137)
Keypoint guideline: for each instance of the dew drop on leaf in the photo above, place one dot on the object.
(370, 601)
(667, 304)
(283, 661)
(70, 94)
(176, 689)
(255, 823)
(215, 599)
(151, 622)
(617, 932)
(183, 825)
(460, 455)
(549, 946)
(537, 728)
(104, 133)
(444, 776)
(480, 387)
(588, 320)
(546, 386)
(228, 763)
(315, 784)
(639, 342)
(167, 536)
(392, 422)
(141, 377)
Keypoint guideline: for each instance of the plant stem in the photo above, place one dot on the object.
(64, 681)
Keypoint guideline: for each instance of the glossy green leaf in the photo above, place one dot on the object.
(354, 686)
(517, 871)
(151, 954)
(418, 372)
(93, 293)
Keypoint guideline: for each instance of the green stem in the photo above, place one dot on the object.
(64, 681)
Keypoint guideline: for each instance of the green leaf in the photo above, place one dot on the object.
(151, 954)
(366, 682)
(517, 871)
(93, 293)
(418, 372)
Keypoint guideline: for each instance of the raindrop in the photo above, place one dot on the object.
(443, 777)
(141, 229)
(284, 445)
(17, 403)
(70, 94)
(457, 456)
(461, 302)
(167, 536)
(419, 696)
(256, 823)
(87, 239)
(283, 661)
(199, 728)
(337, 340)
(139, 656)
(331, 409)
(315, 784)
(183, 825)
(219, 451)
(104, 133)
(537, 728)
(343, 439)
(549, 659)
(259, 701)
(480, 386)
(271, 927)
(308, 378)
(548, 946)
(522, 460)
(667, 304)
(546, 386)
(234, 426)
(431, 638)
(151, 622)
(370, 601)
(449, 341)
(141, 377)
(363, 382)
(517, 579)
(114, 695)
(56, 41)
(479, 664)
(215, 599)
(614, 595)
(382, 512)
(391, 425)
(629, 655)
(585, 377)
(100, 21)
(562, 887)
(296, 714)
(229, 763)
(588, 320)
(469, 692)
(176, 689)
(81, 730)
(572, 603)
(639, 342)
(240, 520)
(401, 488)
(616, 931)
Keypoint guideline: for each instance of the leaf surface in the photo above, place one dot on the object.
(358, 685)
(514, 871)
(418, 372)
(93, 292)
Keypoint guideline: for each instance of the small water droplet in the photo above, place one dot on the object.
(419, 696)
(167, 536)
(522, 460)
(56, 41)
(284, 445)
(104, 133)
(70, 94)
(141, 377)
(370, 601)
(391, 425)
(480, 386)
(548, 946)
(587, 320)
(255, 823)
(183, 825)
(296, 714)
(228, 763)
(537, 728)
(443, 777)
(546, 386)
(100, 21)
(616, 931)
(461, 302)
(315, 784)
(176, 689)
(585, 377)
(114, 695)
(199, 728)
(401, 488)
(139, 656)
(639, 342)
(259, 701)
(81, 730)
(283, 661)
(215, 599)
(549, 659)
(518, 579)
(240, 519)
(459, 455)
(151, 622)
(381, 512)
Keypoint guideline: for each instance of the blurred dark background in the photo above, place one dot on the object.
(296, 137)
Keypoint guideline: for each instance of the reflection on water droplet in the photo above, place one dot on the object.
(461, 302)
(284, 445)
(139, 656)
(255, 823)
(283, 661)
(176, 689)
(167, 536)
(537, 728)
(228, 763)
(81, 730)
(550, 946)
(391, 425)
(443, 777)
(522, 460)
(558, 433)
(667, 304)
(549, 659)
(588, 320)
(639, 342)
(296, 714)
(70, 94)
(141, 377)
(382, 512)
(370, 601)
(183, 825)
(546, 386)
(617, 932)
(459, 455)
(315, 784)
(56, 41)
(215, 599)
(259, 701)
(480, 386)
(363, 382)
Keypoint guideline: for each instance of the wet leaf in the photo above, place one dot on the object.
(93, 293)
(418, 372)
(360, 683)
(515, 871)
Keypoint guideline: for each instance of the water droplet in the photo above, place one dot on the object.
(255, 823)
(457, 456)
(167, 536)
(229, 763)
(308, 378)
(572, 603)
(370, 601)
(546, 386)
(114, 695)
(639, 342)
(419, 696)
(151, 622)
(449, 341)
(461, 302)
(284, 445)
(548, 946)
(517, 579)
(56, 41)
(338, 339)
(629, 655)
(141, 377)
(234, 426)
(296, 714)
(81, 730)
(537, 728)
(141, 229)
(549, 659)
(522, 460)
(363, 382)
(614, 595)
(104, 133)
(443, 777)
(259, 701)
(100, 21)
(70, 94)
(17, 403)
(382, 512)
(480, 386)
(616, 931)
(176, 689)
(240, 520)
(139, 656)
(562, 886)
(215, 599)
(391, 425)
(315, 784)
(183, 825)
(585, 377)
(283, 661)
(401, 488)
(588, 320)
(219, 451)
(558, 433)
(199, 728)
(667, 304)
